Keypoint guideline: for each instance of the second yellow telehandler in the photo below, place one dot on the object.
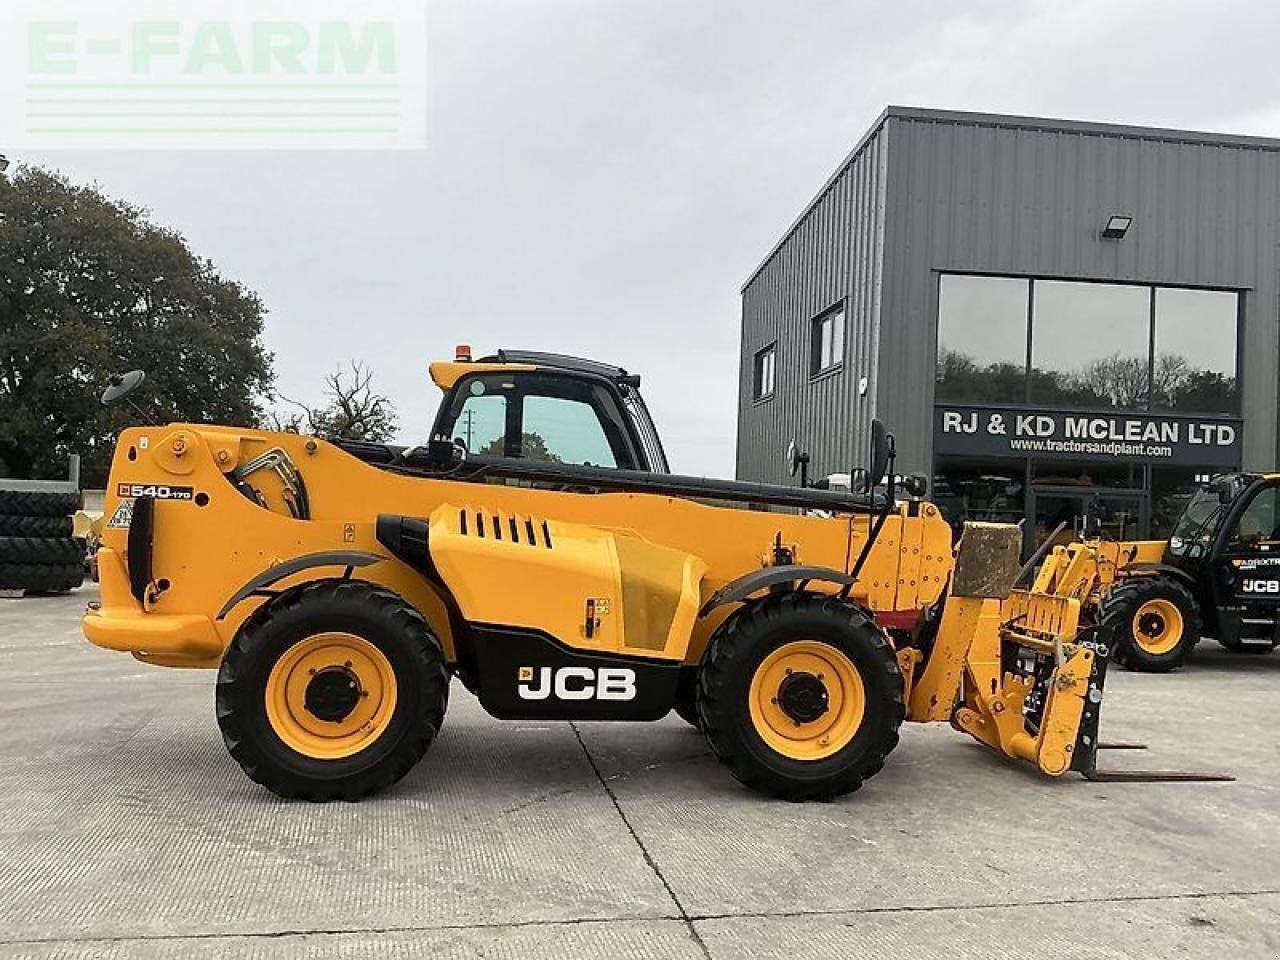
(1218, 574)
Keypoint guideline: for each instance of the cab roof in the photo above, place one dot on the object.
(560, 361)
(446, 373)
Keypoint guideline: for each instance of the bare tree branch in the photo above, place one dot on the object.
(353, 411)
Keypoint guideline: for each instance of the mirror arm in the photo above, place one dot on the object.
(872, 537)
(147, 418)
(881, 517)
(891, 484)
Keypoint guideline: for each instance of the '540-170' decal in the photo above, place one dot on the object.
(157, 491)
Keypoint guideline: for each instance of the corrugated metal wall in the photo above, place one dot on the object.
(930, 191)
(1001, 196)
(834, 254)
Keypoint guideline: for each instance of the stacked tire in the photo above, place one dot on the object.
(37, 550)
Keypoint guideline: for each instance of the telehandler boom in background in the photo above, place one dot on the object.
(538, 550)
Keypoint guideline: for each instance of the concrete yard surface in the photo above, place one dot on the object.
(127, 831)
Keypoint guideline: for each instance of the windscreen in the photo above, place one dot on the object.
(1197, 526)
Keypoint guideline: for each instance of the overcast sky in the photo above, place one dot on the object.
(601, 177)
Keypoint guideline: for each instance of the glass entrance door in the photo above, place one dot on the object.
(1118, 514)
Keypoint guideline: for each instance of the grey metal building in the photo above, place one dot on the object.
(1046, 313)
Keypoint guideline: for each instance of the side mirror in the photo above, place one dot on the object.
(881, 453)
(120, 385)
(797, 462)
(1223, 490)
(915, 485)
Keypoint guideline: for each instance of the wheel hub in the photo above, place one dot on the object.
(807, 700)
(803, 697)
(1151, 624)
(332, 693)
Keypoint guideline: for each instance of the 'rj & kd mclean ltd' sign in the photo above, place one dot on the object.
(983, 431)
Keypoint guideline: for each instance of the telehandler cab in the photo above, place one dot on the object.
(1218, 574)
(537, 549)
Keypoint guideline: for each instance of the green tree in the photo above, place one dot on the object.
(90, 286)
(532, 447)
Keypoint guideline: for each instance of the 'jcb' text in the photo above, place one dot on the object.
(1260, 586)
(577, 683)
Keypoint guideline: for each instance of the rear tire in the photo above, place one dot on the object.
(19, 526)
(800, 697)
(49, 550)
(41, 577)
(332, 691)
(37, 503)
(1154, 623)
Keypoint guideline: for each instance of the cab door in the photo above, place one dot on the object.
(1246, 565)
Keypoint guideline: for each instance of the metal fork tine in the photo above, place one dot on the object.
(1120, 745)
(1156, 776)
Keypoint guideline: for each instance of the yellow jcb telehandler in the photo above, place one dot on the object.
(537, 549)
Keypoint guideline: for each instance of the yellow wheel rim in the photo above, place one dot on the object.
(1157, 626)
(331, 695)
(807, 700)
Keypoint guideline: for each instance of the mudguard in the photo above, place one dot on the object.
(1150, 569)
(742, 587)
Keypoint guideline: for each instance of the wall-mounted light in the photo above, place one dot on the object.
(1117, 226)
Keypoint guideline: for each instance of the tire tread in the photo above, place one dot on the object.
(41, 550)
(38, 503)
(17, 525)
(725, 656)
(420, 731)
(1119, 606)
(42, 577)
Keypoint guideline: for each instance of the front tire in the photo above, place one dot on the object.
(801, 697)
(332, 691)
(1154, 623)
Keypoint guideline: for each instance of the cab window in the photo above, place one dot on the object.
(481, 425)
(1258, 524)
(564, 431)
(540, 416)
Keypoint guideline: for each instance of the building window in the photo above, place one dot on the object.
(982, 338)
(762, 376)
(1195, 358)
(1091, 345)
(827, 350)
